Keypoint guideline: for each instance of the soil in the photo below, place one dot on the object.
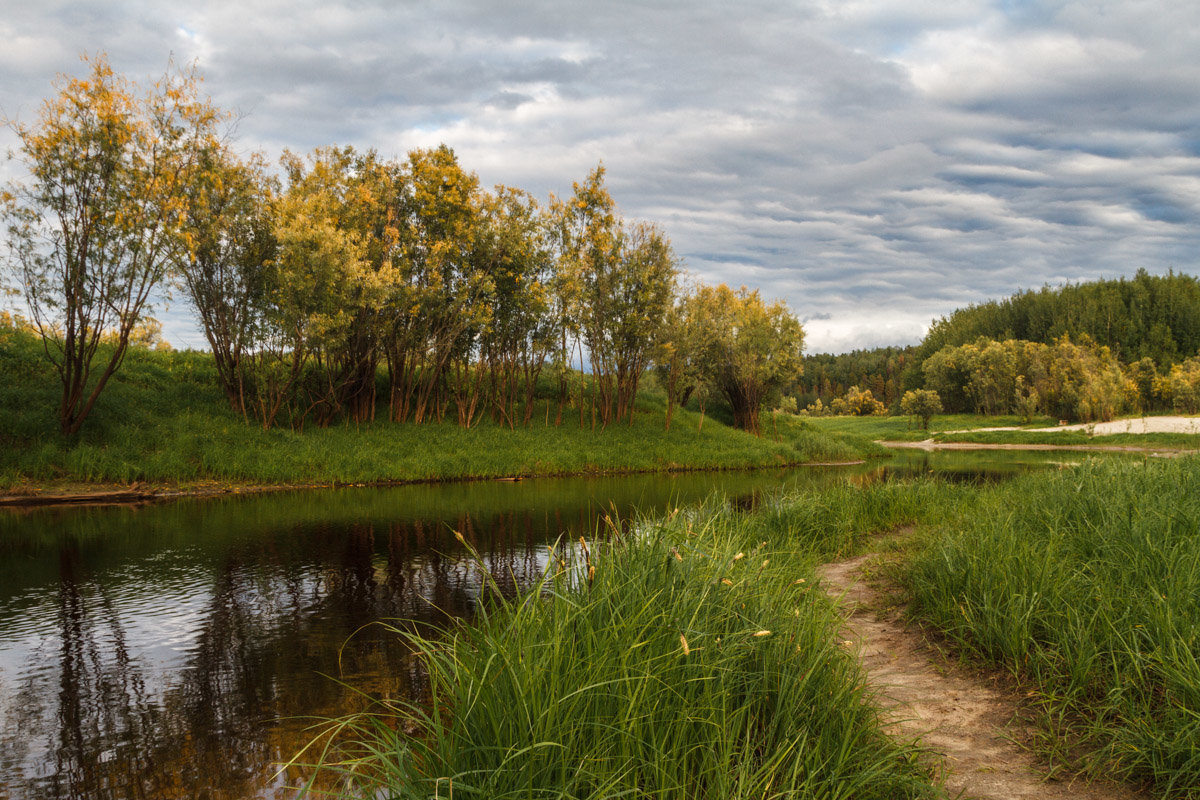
(972, 720)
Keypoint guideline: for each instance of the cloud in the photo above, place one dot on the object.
(876, 164)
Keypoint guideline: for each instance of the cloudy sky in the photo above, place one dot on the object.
(876, 164)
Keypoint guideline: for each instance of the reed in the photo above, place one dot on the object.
(1086, 585)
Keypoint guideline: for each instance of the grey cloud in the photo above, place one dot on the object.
(874, 164)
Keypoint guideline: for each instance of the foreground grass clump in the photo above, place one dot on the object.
(684, 660)
(1087, 583)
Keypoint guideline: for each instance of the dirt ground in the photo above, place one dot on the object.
(972, 720)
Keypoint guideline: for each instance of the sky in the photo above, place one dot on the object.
(875, 164)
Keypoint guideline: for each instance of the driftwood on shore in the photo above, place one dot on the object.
(124, 496)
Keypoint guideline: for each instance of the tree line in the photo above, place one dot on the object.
(1149, 316)
(827, 377)
(1084, 351)
(342, 284)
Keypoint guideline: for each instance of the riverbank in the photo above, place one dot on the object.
(977, 721)
(687, 656)
(1072, 592)
(163, 425)
(1084, 586)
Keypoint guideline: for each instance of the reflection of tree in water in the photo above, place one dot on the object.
(281, 611)
(101, 696)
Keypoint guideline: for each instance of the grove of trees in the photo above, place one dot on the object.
(1083, 351)
(1147, 316)
(344, 284)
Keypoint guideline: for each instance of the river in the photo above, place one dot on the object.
(184, 649)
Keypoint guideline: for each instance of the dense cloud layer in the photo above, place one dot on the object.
(876, 164)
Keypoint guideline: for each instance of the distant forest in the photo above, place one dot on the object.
(1149, 316)
(1147, 326)
(880, 371)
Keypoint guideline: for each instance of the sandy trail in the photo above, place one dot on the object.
(971, 722)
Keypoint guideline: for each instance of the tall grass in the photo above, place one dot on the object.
(1087, 584)
(688, 659)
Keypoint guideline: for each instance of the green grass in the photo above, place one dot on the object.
(903, 429)
(1174, 441)
(162, 419)
(699, 659)
(685, 659)
(1086, 584)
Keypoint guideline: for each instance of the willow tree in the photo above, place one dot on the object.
(317, 282)
(621, 283)
(643, 293)
(223, 261)
(513, 249)
(442, 298)
(92, 230)
(680, 352)
(358, 195)
(753, 350)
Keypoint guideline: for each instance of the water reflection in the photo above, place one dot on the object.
(181, 650)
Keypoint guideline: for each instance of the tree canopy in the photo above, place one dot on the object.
(343, 274)
(93, 229)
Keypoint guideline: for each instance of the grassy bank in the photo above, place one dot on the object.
(967, 428)
(902, 428)
(1170, 441)
(689, 658)
(163, 420)
(1086, 584)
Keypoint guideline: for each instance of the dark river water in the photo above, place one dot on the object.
(184, 649)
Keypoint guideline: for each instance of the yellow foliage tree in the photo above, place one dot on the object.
(93, 228)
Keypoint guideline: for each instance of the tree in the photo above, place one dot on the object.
(623, 282)
(355, 196)
(1180, 387)
(442, 299)
(922, 404)
(680, 351)
(223, 262)
(753, 349)
(513, 249)
(92, 232)
(859, 403)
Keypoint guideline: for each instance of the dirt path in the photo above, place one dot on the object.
(972, 723)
